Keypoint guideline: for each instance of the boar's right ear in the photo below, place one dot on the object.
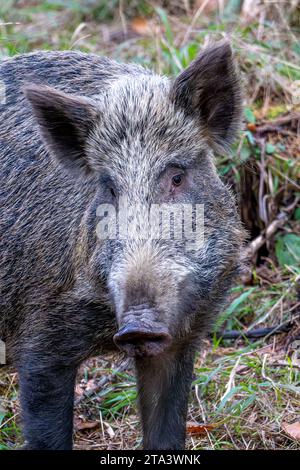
(209, 89)
(65, 122)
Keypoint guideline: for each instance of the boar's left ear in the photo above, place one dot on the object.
(209, 89)
(65, 122)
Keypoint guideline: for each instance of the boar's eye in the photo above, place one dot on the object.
(112, 192)
(177, 180)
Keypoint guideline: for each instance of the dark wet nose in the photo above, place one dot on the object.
(138, 341)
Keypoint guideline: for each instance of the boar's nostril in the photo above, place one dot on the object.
(138, 335)
(137, 340)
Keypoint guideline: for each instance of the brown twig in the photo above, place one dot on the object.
(271, 229)
(259, 241)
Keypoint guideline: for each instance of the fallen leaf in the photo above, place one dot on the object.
(78, 391)
(141, 26)
(293, 430)
(109, 430)
(250, 9)
(196, 429)
(90, 385)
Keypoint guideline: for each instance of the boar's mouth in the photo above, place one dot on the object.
(139, 340)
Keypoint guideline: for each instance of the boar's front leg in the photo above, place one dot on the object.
(163, 386)
(47, 397)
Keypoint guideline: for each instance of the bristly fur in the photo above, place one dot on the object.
(78, 131)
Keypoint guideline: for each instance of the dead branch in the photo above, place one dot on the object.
(256, 333)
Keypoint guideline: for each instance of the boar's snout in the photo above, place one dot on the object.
(139, 340)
